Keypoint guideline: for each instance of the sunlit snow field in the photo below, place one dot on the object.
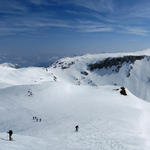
(107, 120)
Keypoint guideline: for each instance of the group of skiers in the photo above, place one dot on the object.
(37, 119)
(10, 132)
(30, 93)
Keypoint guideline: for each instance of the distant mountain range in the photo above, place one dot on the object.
(26, 61)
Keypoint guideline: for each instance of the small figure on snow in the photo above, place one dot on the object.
(76, 128)
(123, 91)
(37, 119)
(40, 120)
(30, 93)
(10, 132)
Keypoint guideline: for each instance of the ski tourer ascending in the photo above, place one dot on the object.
(76, 128)
(10, 132)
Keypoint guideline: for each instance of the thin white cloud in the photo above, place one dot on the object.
(92, 26)
(102, 29)
(141, 10)
(42, 23)
(11, 31)
(137, 31)
(8, 7)
(39, 2)
(28, 25)
(96, 5)
(92, 22)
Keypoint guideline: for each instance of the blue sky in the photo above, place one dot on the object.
(73, 27)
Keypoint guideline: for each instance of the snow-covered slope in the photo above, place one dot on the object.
(71, 93)
(10, 76)
(107, 119)
(124, 69)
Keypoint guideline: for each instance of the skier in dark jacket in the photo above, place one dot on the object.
(10, 132)
(76, 128)
(37, 119)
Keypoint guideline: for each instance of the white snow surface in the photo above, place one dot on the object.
(138, 82)
(64, 98)
(11, 76)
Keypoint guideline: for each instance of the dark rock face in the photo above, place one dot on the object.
(84, 73)
(63, 65)
(116, 61)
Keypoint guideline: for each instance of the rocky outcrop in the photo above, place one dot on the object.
(116, 61)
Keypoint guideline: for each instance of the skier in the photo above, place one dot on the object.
(10, 132)
(36, 119)
(40, 120)
(123, 91)
(30, 93)
(76, 128)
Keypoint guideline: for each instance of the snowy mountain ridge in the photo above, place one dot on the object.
(71, 93)
(127, 69)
